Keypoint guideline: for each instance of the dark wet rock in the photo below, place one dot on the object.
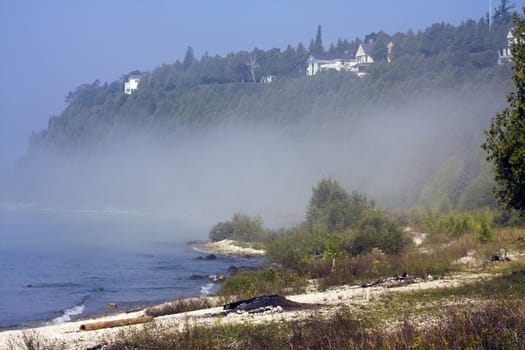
(207, 257)
(199, 277)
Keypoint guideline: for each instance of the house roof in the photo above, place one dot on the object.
(331, 58)
(367, 47)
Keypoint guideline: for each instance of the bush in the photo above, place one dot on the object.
(248, 284)
(332, 209)
(241, 227)
(455, 224)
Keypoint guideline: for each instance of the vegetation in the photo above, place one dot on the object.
(241, 227)
(505, 143)
(497, 325)
(338, 224)
(248, 284)
(196, 94)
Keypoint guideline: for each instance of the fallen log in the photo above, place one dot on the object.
(115, 323)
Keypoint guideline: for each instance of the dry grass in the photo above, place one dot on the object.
(184, 305)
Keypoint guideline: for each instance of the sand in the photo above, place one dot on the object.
(69, 335)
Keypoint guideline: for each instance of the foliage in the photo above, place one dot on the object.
(332, 209)
(505, 142)
(241, 227)
(247, 284)
(455, 224)
(338, 225)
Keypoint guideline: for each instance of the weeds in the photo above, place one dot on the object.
(32, 340)
(247, 284)
(496, 325)
(182, 305)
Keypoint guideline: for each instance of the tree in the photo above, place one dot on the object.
(241, 227)
(189, 58)
(503, 12)
(332, 209)
(316, 46)
(505, 139)
(252, 64)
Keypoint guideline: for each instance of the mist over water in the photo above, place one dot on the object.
(60, 265)
(263, 168)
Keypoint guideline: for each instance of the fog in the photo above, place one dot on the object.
(259, 168)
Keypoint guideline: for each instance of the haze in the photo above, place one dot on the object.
(263, 170)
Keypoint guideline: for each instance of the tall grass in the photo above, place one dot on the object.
(247, 284)
(496, 325)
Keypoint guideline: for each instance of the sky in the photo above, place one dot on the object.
(49, 47)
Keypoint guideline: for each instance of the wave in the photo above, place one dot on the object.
(206, 289)
(68, 313)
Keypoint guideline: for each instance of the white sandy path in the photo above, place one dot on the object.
(70, 335)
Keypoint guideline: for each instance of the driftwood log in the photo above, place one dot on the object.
(115, 323)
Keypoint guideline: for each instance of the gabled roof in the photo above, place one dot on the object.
(367, 47)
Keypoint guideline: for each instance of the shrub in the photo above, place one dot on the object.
(332, 209)
(241, 227)
(248, 284)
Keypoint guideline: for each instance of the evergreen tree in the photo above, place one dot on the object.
(505, 143)
(503, 12)
(316, 46)
(189, 58)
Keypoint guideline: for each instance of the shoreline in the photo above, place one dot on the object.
(70, 336)
(224, 247)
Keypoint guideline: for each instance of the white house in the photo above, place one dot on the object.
(357, 64)
(504, 55)
(132, 84)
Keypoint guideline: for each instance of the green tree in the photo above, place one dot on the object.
(332, 209)
(189, 58)
(241, 227)
(316, 46)
(505, 139)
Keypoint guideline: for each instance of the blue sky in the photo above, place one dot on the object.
(50, 47)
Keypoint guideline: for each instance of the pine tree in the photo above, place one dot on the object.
(189, 58)
(316, 46)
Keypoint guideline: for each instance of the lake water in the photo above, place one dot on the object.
(60, 265)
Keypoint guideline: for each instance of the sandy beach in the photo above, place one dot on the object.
(70, 336)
